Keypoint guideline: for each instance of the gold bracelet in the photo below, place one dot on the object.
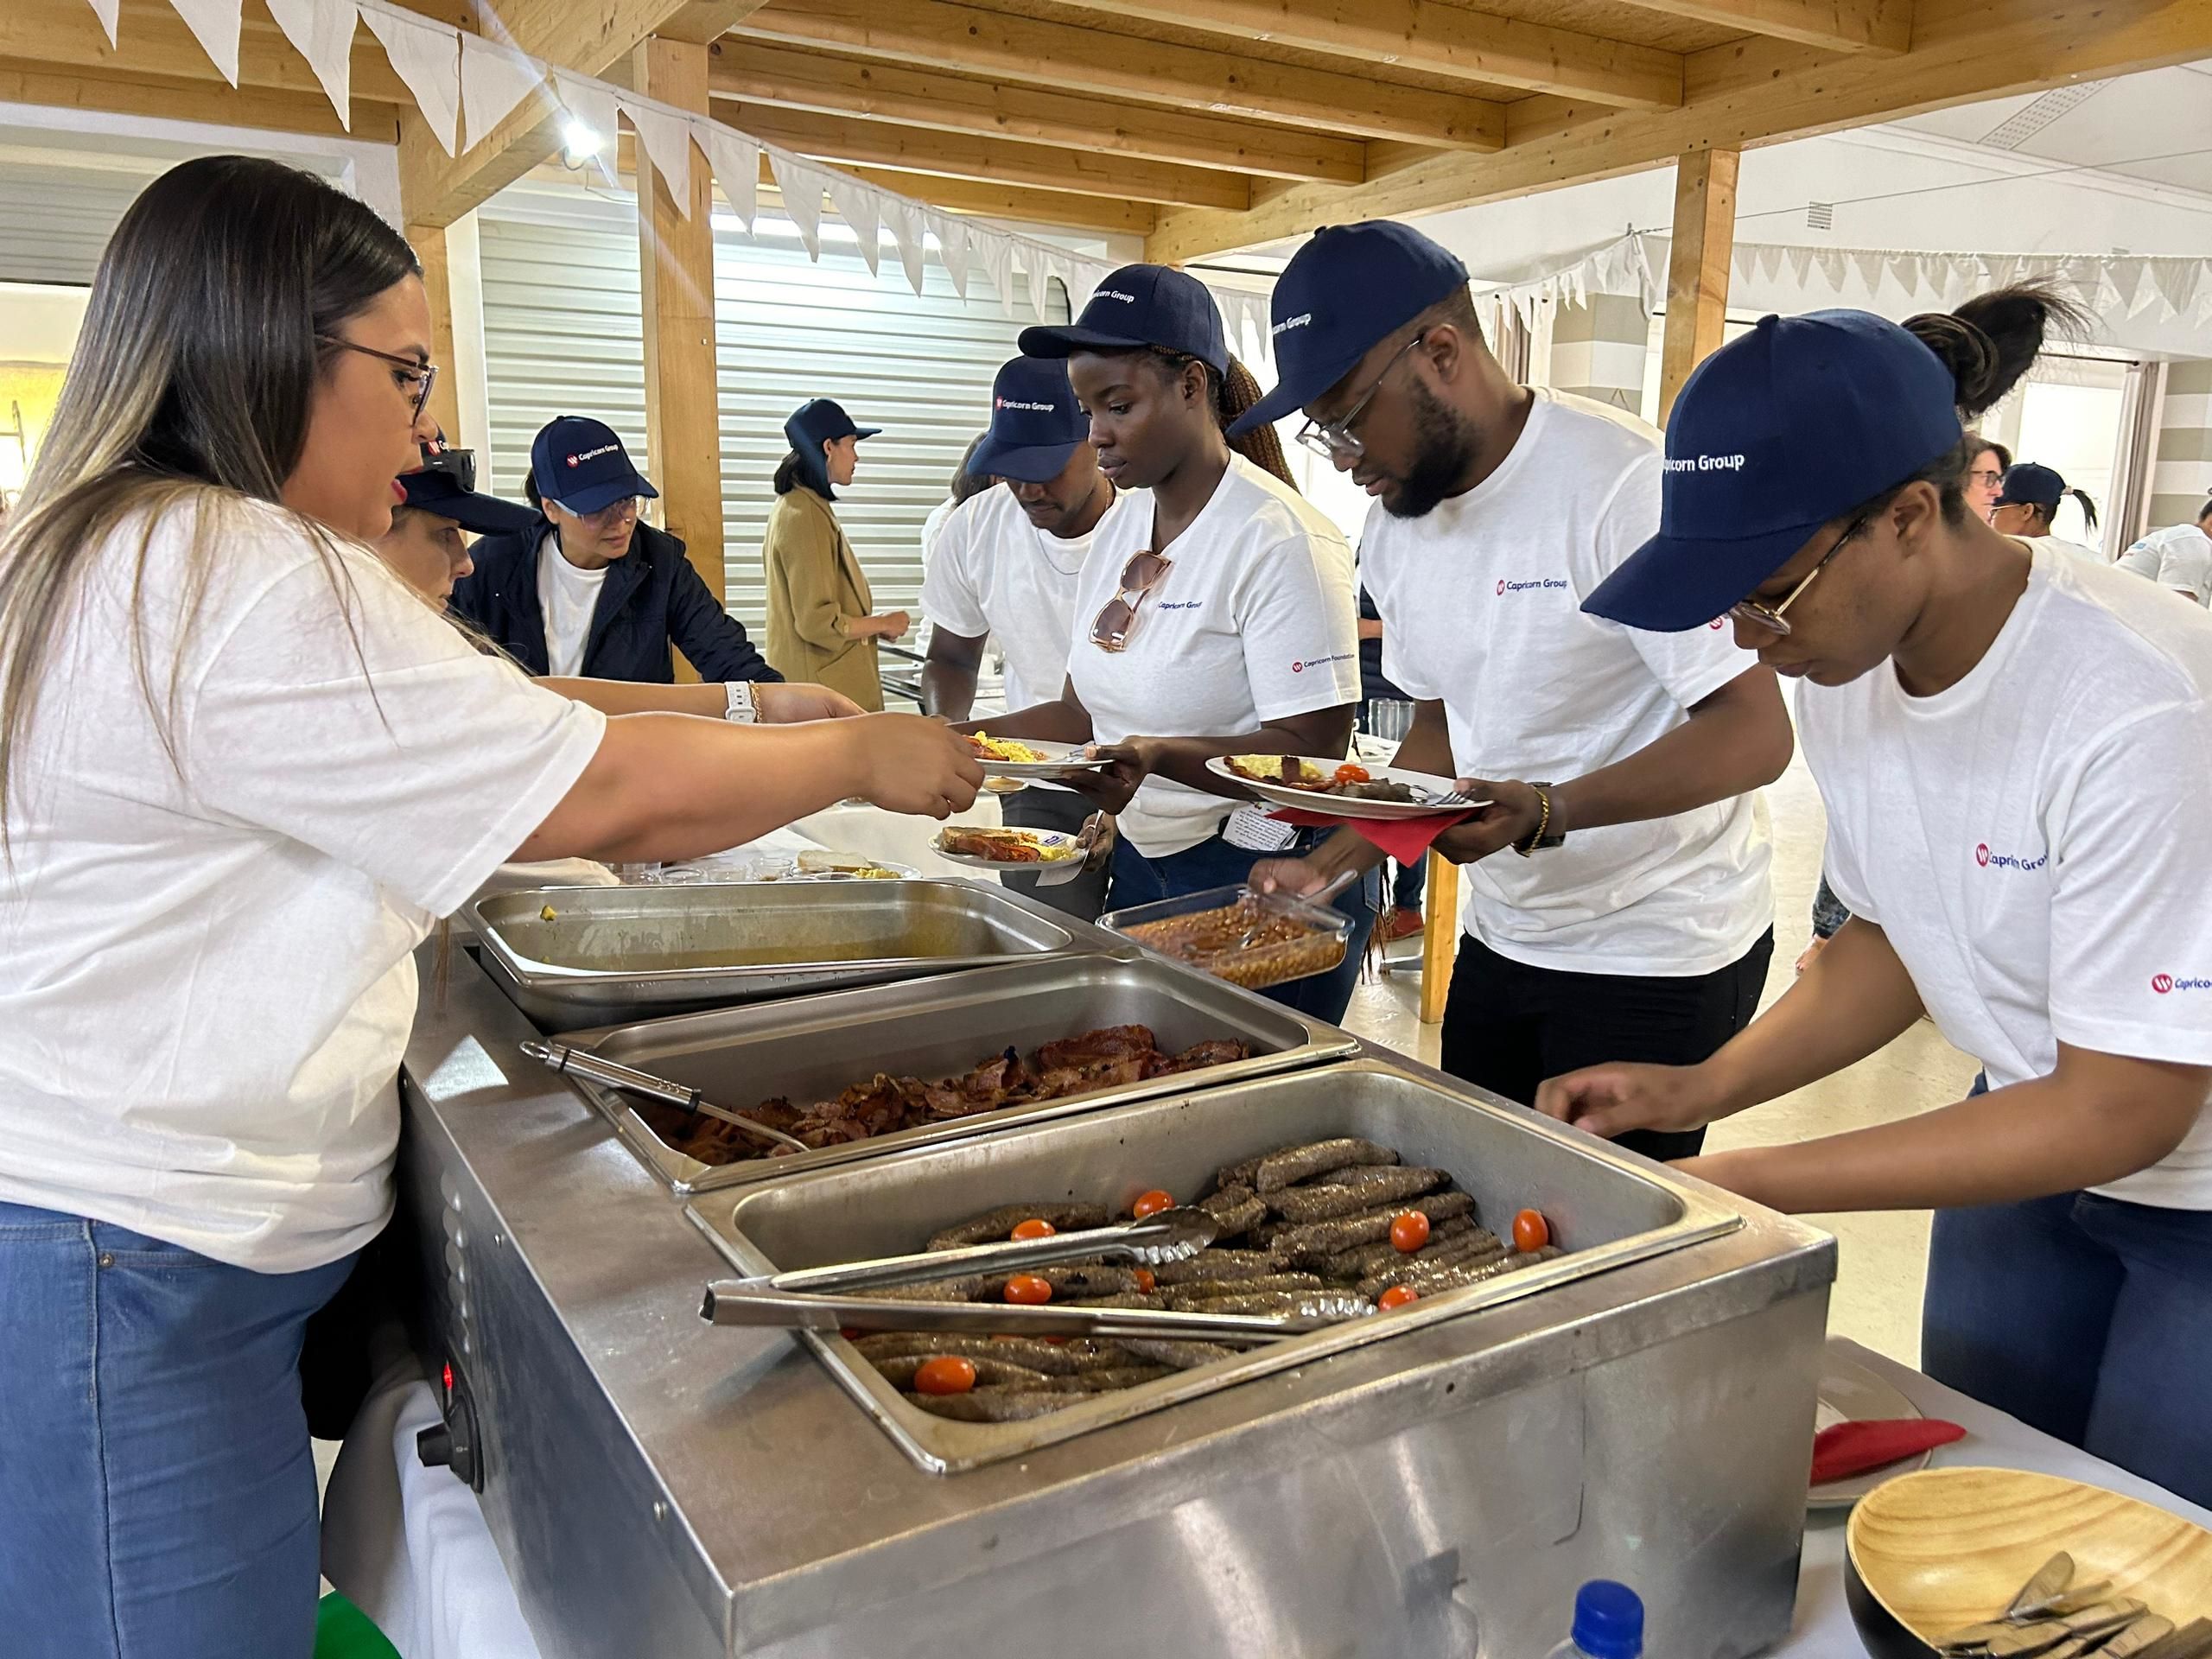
(1528, 847)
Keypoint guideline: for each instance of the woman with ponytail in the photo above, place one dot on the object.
(2027, 506)
(2015, 749)
(1216, 618)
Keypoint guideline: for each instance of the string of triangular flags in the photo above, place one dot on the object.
(465, 84)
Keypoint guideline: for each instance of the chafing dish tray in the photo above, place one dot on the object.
(606, 954)
(810, 1048)
(1605, 1210)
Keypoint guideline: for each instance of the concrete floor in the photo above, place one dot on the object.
(1883, 1257)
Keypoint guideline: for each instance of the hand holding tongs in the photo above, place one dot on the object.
(583, 1062)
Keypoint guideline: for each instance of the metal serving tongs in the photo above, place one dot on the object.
(1321, 895)
(583, 1062)
(1166, 1236)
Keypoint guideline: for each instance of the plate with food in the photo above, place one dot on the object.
(1013, 757)
(989, 848)
(1343, 789)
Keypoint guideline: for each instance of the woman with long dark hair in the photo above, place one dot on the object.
(1218, 620)
(2015, 750)
(242, 771)
(2027, 506)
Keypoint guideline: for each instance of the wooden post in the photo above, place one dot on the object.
(1439, 937)
(1697, 266)
(429, 246)
(675, 267)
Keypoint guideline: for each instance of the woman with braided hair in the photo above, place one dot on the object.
(1215, 619)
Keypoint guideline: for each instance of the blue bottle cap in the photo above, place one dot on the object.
(1608, 1620)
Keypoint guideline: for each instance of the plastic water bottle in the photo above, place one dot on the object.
(1608, 1624)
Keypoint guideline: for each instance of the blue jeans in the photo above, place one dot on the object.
(2086, 1317)
(157, 1493)
(1215, 863)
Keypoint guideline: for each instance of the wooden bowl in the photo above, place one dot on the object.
(1932, 1553)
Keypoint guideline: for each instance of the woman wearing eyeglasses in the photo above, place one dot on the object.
(2015, 750)
(1216, 621)
(590, 590)
(242, 771)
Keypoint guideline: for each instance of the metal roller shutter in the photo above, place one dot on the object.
(56, 219)
(563, 335)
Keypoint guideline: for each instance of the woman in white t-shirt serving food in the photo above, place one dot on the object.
(246, 770)
(1218, 620)
(2015, 749)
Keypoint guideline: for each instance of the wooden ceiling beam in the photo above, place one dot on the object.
(1062, 57)
(997, 161)
(756, 73)
(181, 98)
(1437, 40)
(1060, 209)
(1880, 27)
(151, 39)
(1741, 95)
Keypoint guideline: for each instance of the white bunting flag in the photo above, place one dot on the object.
(856, 204)
(104, 10)
(323, 34)
(952, 244)
(214, 25)
(903, 218)
(802, 186)
(427, 56)
(591, 104)
(493, 81)
(737, 168)
(665, 135)
(995, 255)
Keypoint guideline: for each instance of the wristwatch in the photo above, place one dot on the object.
(742, 707)
(1543, 836)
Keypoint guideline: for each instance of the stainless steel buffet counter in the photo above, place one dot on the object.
(659, 1487)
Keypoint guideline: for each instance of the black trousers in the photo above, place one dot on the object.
(1064, 810)
(1508, 1026)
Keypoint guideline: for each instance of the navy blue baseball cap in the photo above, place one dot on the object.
(1139, 305)
(1349, 286)
(1775, 435)
(580, 463)
(819, 420)
(1035, 424)
(445, 484)
(2027, 484)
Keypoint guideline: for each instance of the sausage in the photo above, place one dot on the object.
(1183, 1296)
(1045, 1358)
(1238, 1174)
(1182, 1355)
(1367, 1258)
(989, 1405)
(1476, 1273)
(1126, 1298)
(1295, 1164)
(1332, 1196)
(1414, 1269)
(964, 1289)
(995, 1227)
(1068, 1283)
(993, 1373)
(1306, 1245)
(1234, 1210)
(1121, 1377)
(1214, 1264)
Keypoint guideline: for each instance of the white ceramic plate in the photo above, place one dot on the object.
(1010, 866)
(1060, 761)
(1338, 806)
(1849, 1394)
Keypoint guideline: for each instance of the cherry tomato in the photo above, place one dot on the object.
(849, 1332)
(1057, 1342)
(1145, 1280)
(1028, 1289)
(1408, 1232)
(946, 1374)
(1035, 1227)
(1396, 1296)
(1350, 773)
(1151, 1203)
(1531, 1231)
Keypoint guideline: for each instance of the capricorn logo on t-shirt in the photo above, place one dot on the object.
(1531, 586)
(1320, 662)
(2167, 984)
(1990, 860)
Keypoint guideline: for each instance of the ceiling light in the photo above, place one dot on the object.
(579, 142)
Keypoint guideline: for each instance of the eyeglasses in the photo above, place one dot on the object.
(1334, 438)
(613, 511)
(1770, 617)
(1986, 477)
(1143, 573)
(421, 376)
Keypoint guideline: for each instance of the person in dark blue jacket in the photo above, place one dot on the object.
(591, 590)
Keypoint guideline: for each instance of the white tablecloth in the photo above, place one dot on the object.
(409, 1546)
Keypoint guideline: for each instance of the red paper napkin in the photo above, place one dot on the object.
(1404, 839)
(1851, 1449)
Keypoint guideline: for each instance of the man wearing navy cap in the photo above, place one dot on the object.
(1633, 910)
(588, 589)
(1007, 565)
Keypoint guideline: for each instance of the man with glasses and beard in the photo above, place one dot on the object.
(1631, 908)
(592, 591)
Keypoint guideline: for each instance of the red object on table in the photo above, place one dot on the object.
(1850, 1449)
(1403, 839)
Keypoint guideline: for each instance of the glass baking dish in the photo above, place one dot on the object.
(1248, 938)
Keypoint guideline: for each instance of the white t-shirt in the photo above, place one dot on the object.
(995, 572)
(2179, 557)
(207, 977)
(2031, 838)
(1481, 602)
(2073, 550)
(933, 527)
(1254, 622)
(569, 597)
